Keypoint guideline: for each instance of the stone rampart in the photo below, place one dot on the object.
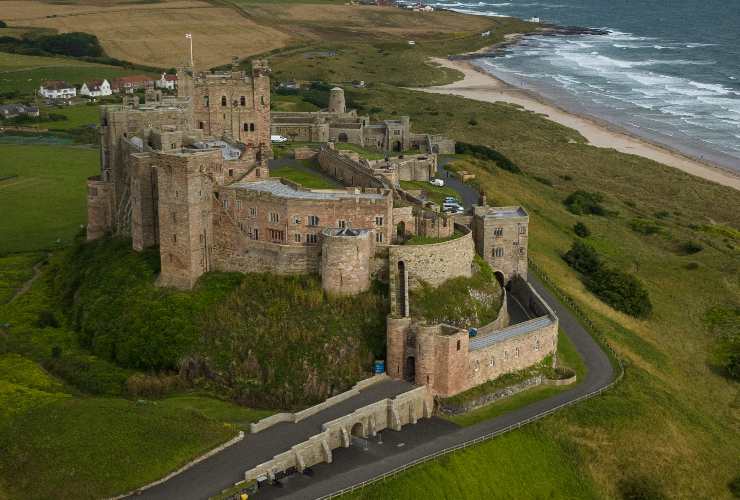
(346, 171)
(99, 207)
(404, 409)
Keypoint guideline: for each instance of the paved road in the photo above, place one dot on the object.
(468, 195)
(353, 465)
(227, 467)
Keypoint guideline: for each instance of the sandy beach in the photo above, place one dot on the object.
(482, 86)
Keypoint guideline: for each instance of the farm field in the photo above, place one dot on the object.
(45, 201)
(153, 34)
(24, 73)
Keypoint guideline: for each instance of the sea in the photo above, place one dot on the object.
(668, 71)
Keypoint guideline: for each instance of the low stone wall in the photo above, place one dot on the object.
(297, 417)
(305, 153)
(406, 408)
(486, 399)
(345, 170)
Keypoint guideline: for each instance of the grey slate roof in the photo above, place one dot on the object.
(509, 332)
(277, 188)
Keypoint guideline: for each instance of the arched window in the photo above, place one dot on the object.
(201, 125)
(246, 127)
(223, 100)
(251, 127)
(243, 101)
(262, 100)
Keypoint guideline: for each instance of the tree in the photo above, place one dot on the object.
(620, 290)
(584, 203)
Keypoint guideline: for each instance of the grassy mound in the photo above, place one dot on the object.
(262, 339)
(462, 302)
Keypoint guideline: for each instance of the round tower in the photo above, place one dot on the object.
(345, 261)
(336, 101)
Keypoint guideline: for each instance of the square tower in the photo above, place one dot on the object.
(501, 238)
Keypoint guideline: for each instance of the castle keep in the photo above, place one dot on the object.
(190, 174)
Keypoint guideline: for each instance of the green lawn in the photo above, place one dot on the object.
(292, 103)
(77, 116)
(46, 203)
(307, 174)
(436, 194)
(548, 468)
(364, 153)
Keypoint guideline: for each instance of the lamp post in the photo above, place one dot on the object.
(189, 36)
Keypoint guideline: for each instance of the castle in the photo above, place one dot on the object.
(191, 174)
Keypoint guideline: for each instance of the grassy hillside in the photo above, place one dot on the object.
(60, 440)
(43, 200)
(293, 345)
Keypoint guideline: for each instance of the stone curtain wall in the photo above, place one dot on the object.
(437, 262)
(99, 207)
(345, 170)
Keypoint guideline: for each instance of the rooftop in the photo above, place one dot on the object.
(501, 212)
(482, 341)
(277, 188)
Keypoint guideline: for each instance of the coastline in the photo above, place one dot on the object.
(480, 85)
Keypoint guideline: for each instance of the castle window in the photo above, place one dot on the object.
(238, 202)
(521, 251)
(200, 238)
(477, 365)
(522, 229)
(277, 236)
(243, 101)
(256, 234)
(379, 237)
(226, 203)
(174, 218)
(378, 221)
(537, 345)
(341, 223)
(201, 125)
(251, 127)
(231, 172)
(492, 362)
(252, 211)
(174, 238)
(274, 217)
(499, 231)
(506, 355)
(297, 237)
(396, 132)
(498, 252)
(246, 127)
(262, 100)
(177, 194)
(516, 352)
(296, 219)
(312, 238)
(205, 102)
(458, 345)
(223, 100)
(313, 220)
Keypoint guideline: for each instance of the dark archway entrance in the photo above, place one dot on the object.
(343, 137)
(358, 430)
(409, 372)
(397, 146)
(401, 231)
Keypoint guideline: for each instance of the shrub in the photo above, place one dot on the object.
(640, 488)
(46, 319)
(566, 177)
(692, 266)
(584, 203)
(581, 230)
(645, 226)
(472, 121)
(3, 24)
(663, 214)
(620, 290)
(734, 487)
(152, 386)
(583, 258)
(542, 180)
(487, 153)
(724, 324)
(690, 248)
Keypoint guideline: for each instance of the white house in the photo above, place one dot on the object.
(168, 82)
(96, 88)
(57, 89)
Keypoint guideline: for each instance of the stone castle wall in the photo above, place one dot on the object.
(346, 170)
(346, 261)
(99, 207)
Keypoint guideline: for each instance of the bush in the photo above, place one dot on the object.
(543, 180)
(640, 488)
(724, 324)
(581, 230)
(584, 203)
(152, 386)
(663, 214)
(690, 248)
(691, 266)
(734, 487)
(73, 44)
(472, 121)
(487, 153)
(47, 319)
(620, 290)
(583, 258)
(3, 24)
(645, 226)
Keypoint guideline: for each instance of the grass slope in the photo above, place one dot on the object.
(46, 201)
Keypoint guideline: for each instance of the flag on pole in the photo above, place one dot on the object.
(188, 35)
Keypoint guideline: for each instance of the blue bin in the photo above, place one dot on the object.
(379, 367)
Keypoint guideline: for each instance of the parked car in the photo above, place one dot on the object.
(451, 199)
(437, 182)
(278, 139)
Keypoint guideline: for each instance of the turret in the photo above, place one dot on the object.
(336, 101)
(345, 260)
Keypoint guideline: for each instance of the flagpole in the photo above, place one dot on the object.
(189, 36)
